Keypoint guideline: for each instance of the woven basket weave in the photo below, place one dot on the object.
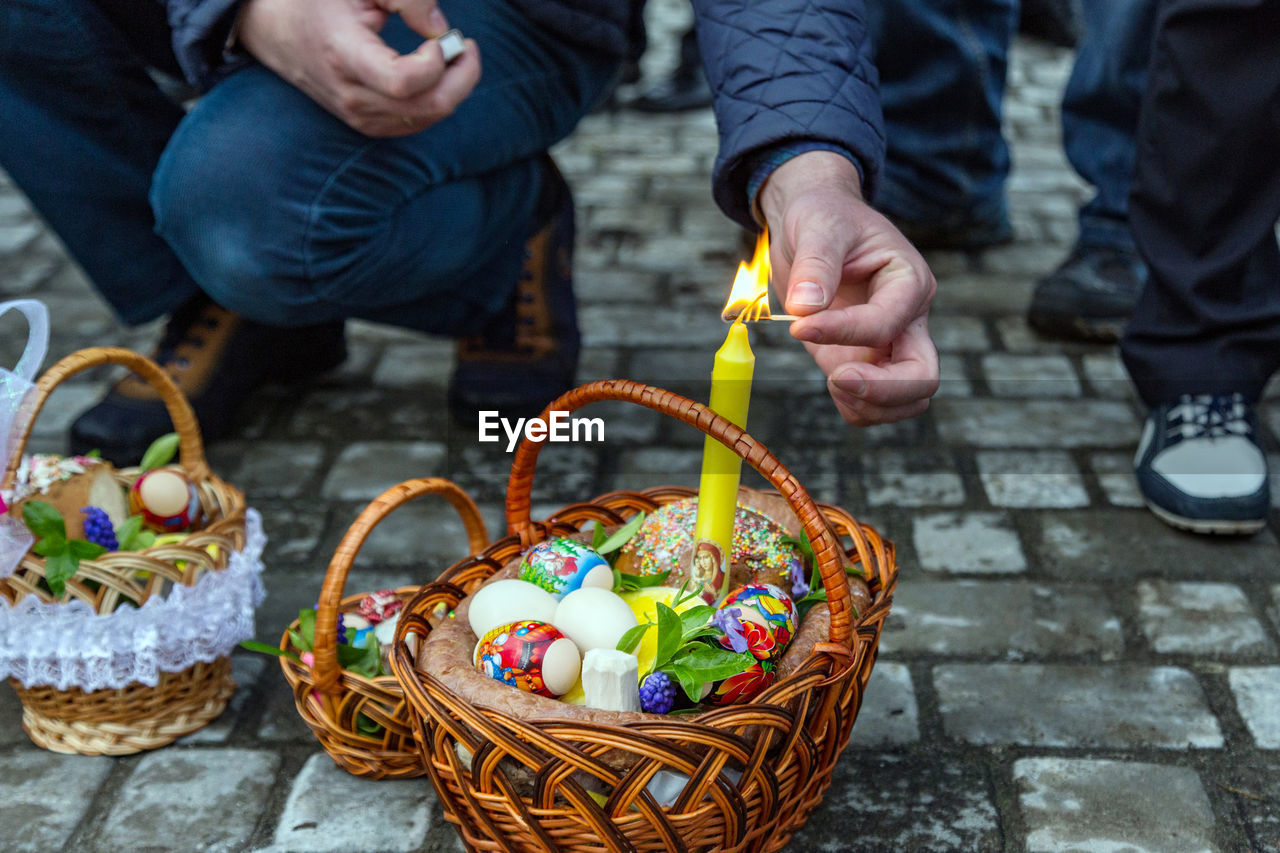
(331, 699)
(756, 770)
(138, 716)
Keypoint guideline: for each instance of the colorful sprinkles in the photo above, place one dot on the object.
(666, 538)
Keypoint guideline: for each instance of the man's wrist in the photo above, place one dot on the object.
(810, 170)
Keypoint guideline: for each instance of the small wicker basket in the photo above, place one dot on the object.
(138, 716)
(755, 770)
(331, 700)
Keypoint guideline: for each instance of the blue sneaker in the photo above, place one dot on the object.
(1199, 466)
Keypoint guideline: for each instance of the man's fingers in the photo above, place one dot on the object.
(423, 16)
(371, 63)
(899, 292)
(911, 375)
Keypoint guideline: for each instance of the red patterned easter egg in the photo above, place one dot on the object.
(531, 656)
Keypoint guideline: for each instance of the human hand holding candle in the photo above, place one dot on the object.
(862, 289)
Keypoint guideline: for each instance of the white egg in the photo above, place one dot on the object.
(354, 622)
(601, 577)
(385, 630)
(593, 618)
(560, 666)
(508, 600)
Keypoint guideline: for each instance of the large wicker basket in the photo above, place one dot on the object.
(331, 700)
(137, 716)
(756, 770)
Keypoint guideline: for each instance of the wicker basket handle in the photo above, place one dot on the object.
(325, 645)
(825, 547)
(190, 445)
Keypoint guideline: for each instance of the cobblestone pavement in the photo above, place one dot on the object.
(1060, 672)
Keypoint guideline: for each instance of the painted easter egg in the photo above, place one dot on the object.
(768, 618)
(742, 686)
(166, 500)
(561, 566)
(531, 656)
(508, 600)
(594, 618)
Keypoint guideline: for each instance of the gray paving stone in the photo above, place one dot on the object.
(898, 801)
(1106, 375)
(657, 466)
(1115, 543)
(983, 293)
(1036, 423)
(952, 333)
(413, 365)
(45, 796)
(1257, 692)
(1120, 707)
(1199, 618)
(912, 479)
(980, 542)
(1115, 474)
(1012, 375)
(953, 377)
(331, 811)
(1006, 618)
(211, 799)
(889, 715)
(269, 469)
(1031, 478)
(367, 468)
(292, 532)
(1255, 787)
(1082, 804)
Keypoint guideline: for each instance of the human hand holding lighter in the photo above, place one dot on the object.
(330, 49)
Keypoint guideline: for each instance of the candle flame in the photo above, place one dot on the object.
(749, 298)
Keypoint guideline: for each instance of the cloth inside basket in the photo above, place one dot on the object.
(67, 645)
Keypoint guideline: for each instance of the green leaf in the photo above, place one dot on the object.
(804, 605)
(621, 536)
(161, 452)
(631, 640)
(366, 661)
(131, 535)
(82, 550)
(712, 664)
(629, 582)
(58, 569)
(695, 619)
(94, 454)
(307, 626)
(689, 680)
(264, 648)
(597, 537)
(44, 521)
(366, 726)
(49, 547)
(670, 634)
(299, 641)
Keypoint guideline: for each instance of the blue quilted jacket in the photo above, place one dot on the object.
(782, 71)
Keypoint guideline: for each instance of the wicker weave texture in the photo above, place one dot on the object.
(136, 717)
(755, 770)
(332, 700)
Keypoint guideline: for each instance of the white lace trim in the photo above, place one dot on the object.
(68, 645)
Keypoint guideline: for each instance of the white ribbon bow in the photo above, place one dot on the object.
(15, 411)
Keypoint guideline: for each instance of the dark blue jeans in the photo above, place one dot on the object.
(942, 66)
(275, 208)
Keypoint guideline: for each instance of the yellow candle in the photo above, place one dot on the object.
(721, 468)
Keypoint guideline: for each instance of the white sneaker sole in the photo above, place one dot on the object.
(1221, 527)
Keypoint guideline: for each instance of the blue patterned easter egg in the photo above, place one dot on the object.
(562, 565)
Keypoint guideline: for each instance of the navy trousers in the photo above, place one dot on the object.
(1206, 197)
(274, 207)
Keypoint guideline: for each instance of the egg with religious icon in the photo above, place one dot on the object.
(766, 620)
(531, 656)
(561, 566)
(166, 500)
